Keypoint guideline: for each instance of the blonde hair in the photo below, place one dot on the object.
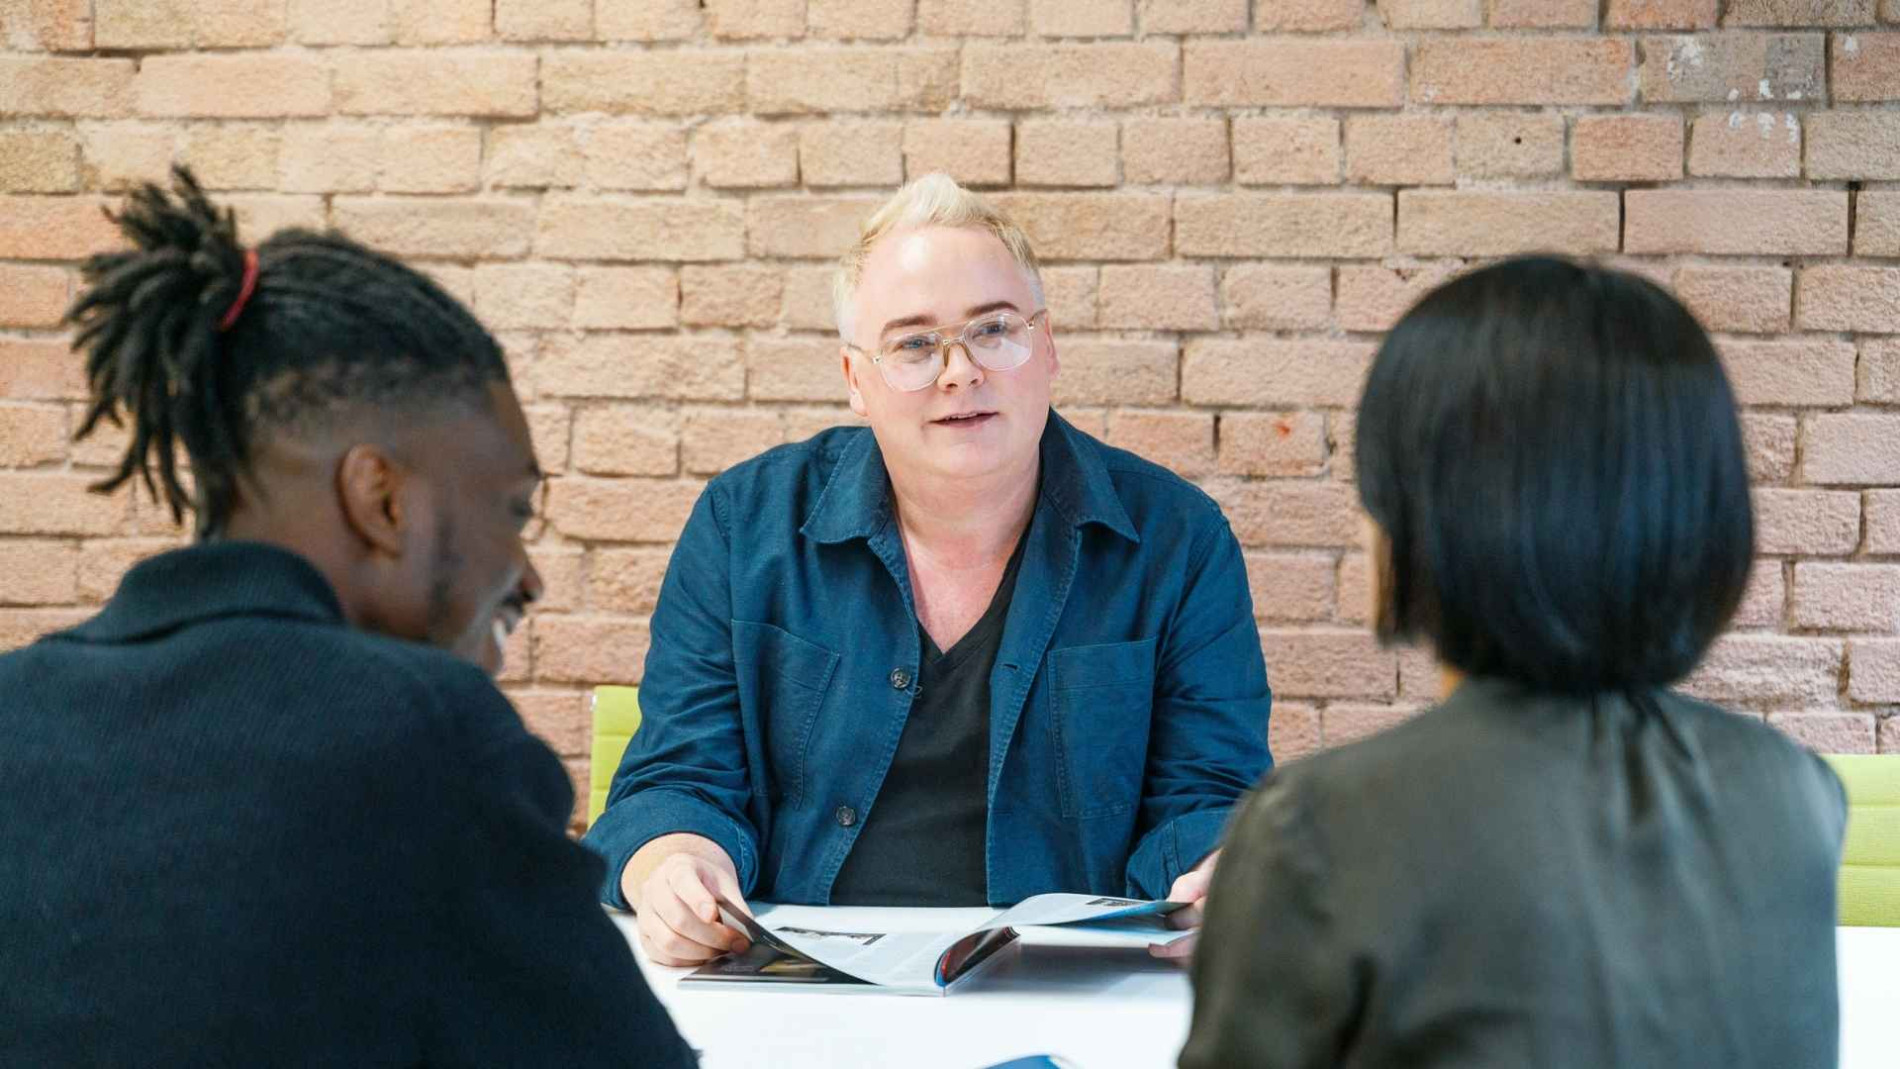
(933, 200)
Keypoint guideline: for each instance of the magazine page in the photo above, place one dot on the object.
(901, 961)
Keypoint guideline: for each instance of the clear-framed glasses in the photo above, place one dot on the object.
(997, 341)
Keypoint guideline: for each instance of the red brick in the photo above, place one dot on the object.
(123, 156)
(730, 296)
(1510, 145)
(1397, 150)
(1062, 153)
(1180, 441)
(557, 717)
(443, 22)
(1835, 733)
(1866, 67)
(413, 226)
(1525, 70)
(244, 155)
(58, 504)
(621, 510)
(1023, 77)
(31, 435)
(1222, 371)
(1082, 18)
(1347, 225)
(1764, 601)
(524, 296)
(707, 368)
(1848, 449)
(1269, 297)
(851, 153)
(1373, 297)
(626, 440)
(1343, 427)
(649, 20)
(1346, 724)
(1291, 587)
(1070, 295)
(330, 158)
(1849, 298)
(626, 580)
(1883, 521)
(1769, 668)
(1216, 16)
(803, 422)
(1291, 512)
(1887, 728)
(1294, 74)
(1190, 151)
(818, 228)
(1749, 300)
(1879, 380)
(714, 439)
(1293, 732)
(807, 303)
(38, 161)
(675, 82)
(1286, 151)
(22, 627)
(276, 85)
(589, 650)
(1660, 14)
(1807, 522)
(65, 88)
(636, 155)
(1329, 664)
(1846, 597)
(1272, 443)
(1860, 144)
(544, 20)
(975, 152)
(1172, 297)
(431, 159)
(1799, 13)
(54, 228)
(103, 564)
(1434, 223)
(591, 228)
(1735, 222)
(550, 427)
(1091, 226)
(878, 20)
(1877, 224)
(341, 22)
(438, 82)
(1626, 148)
(1873, 670)
(1794, 371)
(794, 369)
(534, 157)
(1432, 14)
(48, 25)
(747, 155)
(155, 24)
(33, 296)
(563, 574)
(1102, 372)
(1738, 144)
(1729, 67)
(964, 18)
(812, 81)
(1543, 14)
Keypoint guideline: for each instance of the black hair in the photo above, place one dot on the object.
(1553, 454)
(329, 324)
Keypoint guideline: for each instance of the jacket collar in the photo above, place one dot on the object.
(856, 501)
(210, 580)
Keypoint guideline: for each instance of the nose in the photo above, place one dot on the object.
(959, 370)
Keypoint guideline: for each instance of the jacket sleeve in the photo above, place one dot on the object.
(1208, 740)
(1273, 982)
(685, 770)
(532, 970)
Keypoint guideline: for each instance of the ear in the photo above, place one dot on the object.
(851, 381)
(369, 486)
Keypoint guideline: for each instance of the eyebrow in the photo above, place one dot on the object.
(971, 313)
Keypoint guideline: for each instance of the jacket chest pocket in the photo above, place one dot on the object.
(1104, 698)
(782, 682)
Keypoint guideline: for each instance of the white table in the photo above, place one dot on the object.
(1100, 1008)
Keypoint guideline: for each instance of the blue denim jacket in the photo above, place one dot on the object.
(1128, 702)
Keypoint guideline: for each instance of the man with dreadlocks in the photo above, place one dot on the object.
(267, 806)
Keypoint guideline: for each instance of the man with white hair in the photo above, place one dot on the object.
(964, 656)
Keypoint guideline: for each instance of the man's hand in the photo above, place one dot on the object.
(671, 883)
(1192, 889)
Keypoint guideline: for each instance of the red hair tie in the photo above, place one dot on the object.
(244, 292)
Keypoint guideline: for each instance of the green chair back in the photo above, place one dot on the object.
(616, 718)
(1870, 862)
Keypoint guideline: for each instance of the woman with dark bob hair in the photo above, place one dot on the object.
(1564, 863)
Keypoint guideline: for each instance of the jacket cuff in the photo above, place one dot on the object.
(1170, 850)
(638, 820)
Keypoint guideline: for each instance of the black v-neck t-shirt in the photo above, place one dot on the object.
(923, 843)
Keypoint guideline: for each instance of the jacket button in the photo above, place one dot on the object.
(900, 679)
(847, 816)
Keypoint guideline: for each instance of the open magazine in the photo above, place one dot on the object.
(924, 963)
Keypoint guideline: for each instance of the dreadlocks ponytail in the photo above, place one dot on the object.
(150, 323)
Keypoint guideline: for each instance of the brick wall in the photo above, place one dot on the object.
(1235, 198)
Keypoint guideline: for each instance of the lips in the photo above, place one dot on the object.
(964, 419)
